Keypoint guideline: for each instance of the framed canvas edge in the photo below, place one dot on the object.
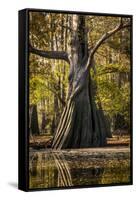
(23, 99)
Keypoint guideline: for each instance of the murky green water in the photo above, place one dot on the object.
(49, 169)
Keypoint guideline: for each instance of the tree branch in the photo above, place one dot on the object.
(59, 97)
(62, 55)
(105, 37)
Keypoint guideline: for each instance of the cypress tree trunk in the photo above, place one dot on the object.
(80, 124)
(34, 126)
(43, 124)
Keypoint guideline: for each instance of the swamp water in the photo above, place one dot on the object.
(82, 167)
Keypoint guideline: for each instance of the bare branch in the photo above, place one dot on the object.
(105, 37)
(57, 94)
(62, 55)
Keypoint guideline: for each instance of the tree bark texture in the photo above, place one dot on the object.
(81, 125)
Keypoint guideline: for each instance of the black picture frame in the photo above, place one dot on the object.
(23, 142)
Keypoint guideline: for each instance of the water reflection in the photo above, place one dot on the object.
(64, 174)
(49, 170)
(63, 169)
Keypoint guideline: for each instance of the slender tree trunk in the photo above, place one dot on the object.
(63, 47)
(34, 126)
(80, 125)
(43, 122)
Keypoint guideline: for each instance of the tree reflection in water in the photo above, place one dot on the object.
(64, 174)
(49, 171)
(64, 169)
